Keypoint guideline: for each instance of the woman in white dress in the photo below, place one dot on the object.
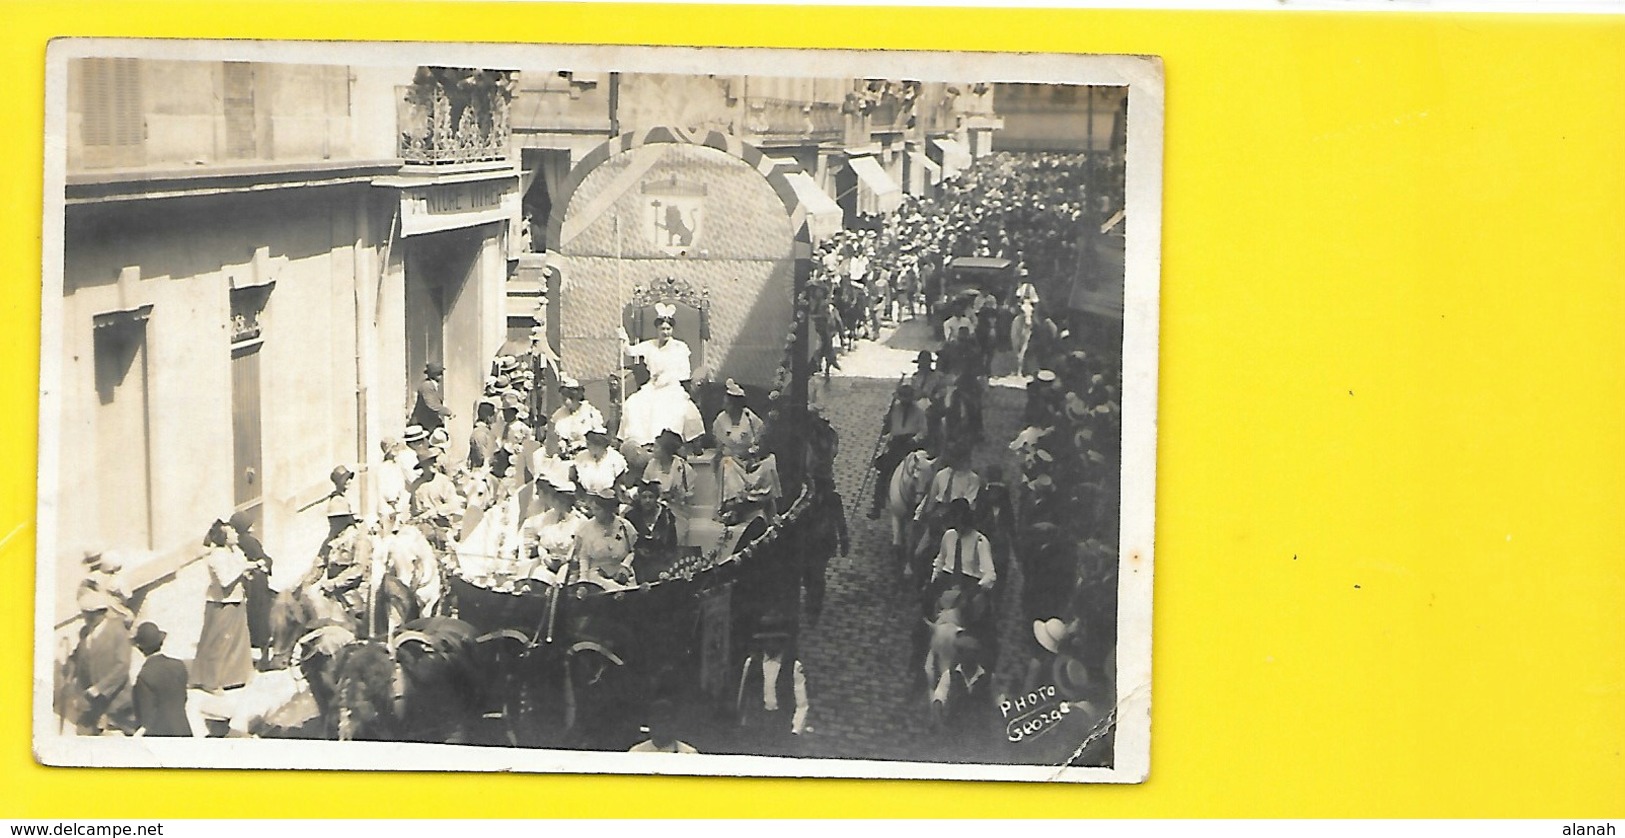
(549, 535)
(663, 403)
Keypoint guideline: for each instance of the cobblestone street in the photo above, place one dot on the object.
(868, 697)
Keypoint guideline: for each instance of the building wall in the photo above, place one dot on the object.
(1056, 117)
(182, 257)
(683, 101)
(276, 111)
(743, 255)
(332, 373)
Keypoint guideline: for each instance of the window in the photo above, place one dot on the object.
(239, 104)
(124, 472)
(114, 131)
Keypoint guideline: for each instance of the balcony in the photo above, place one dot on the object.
(441, 123)
(772, 120)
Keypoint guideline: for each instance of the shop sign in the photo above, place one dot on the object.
(446, 206)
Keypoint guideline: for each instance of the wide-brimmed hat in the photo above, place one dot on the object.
(149, 636)
(732, 388)
(568, 383)
(1049, 633)
(598, 433)
(507, 363)
(1070, 677)
(103, 561)
(414, 433)
(433, 368)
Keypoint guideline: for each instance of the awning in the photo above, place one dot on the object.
(955, 156)
(877, 194)
(926, 173)
(824, 216)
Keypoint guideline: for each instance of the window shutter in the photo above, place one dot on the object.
(114, 128)
(239, 83)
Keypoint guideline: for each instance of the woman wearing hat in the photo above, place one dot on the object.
(224, 660)
(430, 410)
(396, 476)
(603, 548)
(257, 586)
(663, 403)
(671, 473)
(656, 526)
(550, 533)
(575, 417)
(599, 468)
(737, 428)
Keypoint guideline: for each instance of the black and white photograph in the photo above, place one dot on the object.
(482, 407)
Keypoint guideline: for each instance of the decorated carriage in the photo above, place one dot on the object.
(551, 639)
(698, 228)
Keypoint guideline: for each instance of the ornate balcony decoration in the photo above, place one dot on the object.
(884, 105)
(786, 119)
(455, 115)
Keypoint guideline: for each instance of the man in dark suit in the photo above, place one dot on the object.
(431, 412)
(160, 689)
(100, 666)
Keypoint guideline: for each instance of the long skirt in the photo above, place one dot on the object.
(224, 659)
(653, 409)
(257, 588)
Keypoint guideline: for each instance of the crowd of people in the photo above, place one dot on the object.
(556, 500)
(567, 499)
(1046, 500)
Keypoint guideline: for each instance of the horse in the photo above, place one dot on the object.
(909, 483)
(296, 611)
(423, 685)
(407, 581)
(942, 629)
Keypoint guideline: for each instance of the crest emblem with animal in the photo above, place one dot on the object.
(673, 212)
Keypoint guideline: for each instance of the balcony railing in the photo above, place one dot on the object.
(784, 118)
(436, 129)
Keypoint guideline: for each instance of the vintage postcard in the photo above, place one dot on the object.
(598, 409)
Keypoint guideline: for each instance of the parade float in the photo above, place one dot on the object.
(703, 226)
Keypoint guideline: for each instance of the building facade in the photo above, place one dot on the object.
(849, 148)
(259, 260)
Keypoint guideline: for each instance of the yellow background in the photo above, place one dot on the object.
(1391, 496)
